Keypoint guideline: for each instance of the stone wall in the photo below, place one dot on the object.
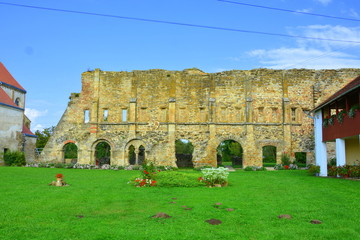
(10, 130)
(255, 108)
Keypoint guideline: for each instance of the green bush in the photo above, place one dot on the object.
(300, 157)
(332, 171)
(213, 176)
(15, 158)
(332, 162)
(59, 165)
(178, 179)
(254, 168)
(313, 170)
(285, 159)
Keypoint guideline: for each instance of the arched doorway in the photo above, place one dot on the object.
(102, 153)
(269, 155)
(230, 152)
(70, 153)
(184, 153)
(135, 152)
(132, 155)
(141, 155)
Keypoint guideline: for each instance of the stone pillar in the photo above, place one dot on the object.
(132, 117)
(340, 152)
(171, 132)
(136, 151)
(320, 146)
(286, 126)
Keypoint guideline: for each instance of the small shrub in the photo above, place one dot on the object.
(15, 158)
(248, 168)
(353, 110)
(178, 179)
(105, 167)
(214, 176)
(340, 116)
(59, 165)
(69, 165)
(279, 167)
(332, 162)
(254, 168)
(354, 171)
(116, 167)
(343, 171)
(332, 171)
(166, 168)
(293, 166)
(201, 168)
(313, 170)
(285, 159)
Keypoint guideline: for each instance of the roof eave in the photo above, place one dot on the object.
(333, 100)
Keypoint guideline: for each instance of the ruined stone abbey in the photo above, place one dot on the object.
(147, 111)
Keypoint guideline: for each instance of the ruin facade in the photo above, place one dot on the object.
(147, 111)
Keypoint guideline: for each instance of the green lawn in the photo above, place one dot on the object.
(109, 208)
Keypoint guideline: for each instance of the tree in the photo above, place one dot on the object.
(228, 150)
(43, 136)
(70, 151)
(269, 154)
(183, 146)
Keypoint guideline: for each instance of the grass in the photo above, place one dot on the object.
(113, 209)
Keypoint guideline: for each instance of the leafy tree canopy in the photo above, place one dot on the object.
(43, 136)
(183, 146)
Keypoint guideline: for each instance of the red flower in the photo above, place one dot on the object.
(146, 172)
(286, 167)
(200, 179)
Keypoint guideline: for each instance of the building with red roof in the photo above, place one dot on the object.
(15, 133)
(337, 119)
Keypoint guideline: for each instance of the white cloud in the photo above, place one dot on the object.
(38, 127)
(305, 58)
(312, 53)
(324, 2)
(33, 114)
(354, 13)
(347, 34)
(305, 10)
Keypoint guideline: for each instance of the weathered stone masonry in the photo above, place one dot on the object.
(154, 108)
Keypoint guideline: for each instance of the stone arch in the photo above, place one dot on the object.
(279, 145)
(135, 152)
(184, 150)
(269, 153)
(102, 150)
(69, 151)
(231, 151)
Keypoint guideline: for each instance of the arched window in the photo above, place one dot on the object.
(17, 101)
(102, 153)
(132, 155)
(183, 152)
(230, 152)
(269, 155)
(70, 153)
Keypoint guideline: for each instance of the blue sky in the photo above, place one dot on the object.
(46, 51)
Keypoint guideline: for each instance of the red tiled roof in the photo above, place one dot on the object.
(6, 100)
(7, 78)
(349, 87)
(27, 131)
